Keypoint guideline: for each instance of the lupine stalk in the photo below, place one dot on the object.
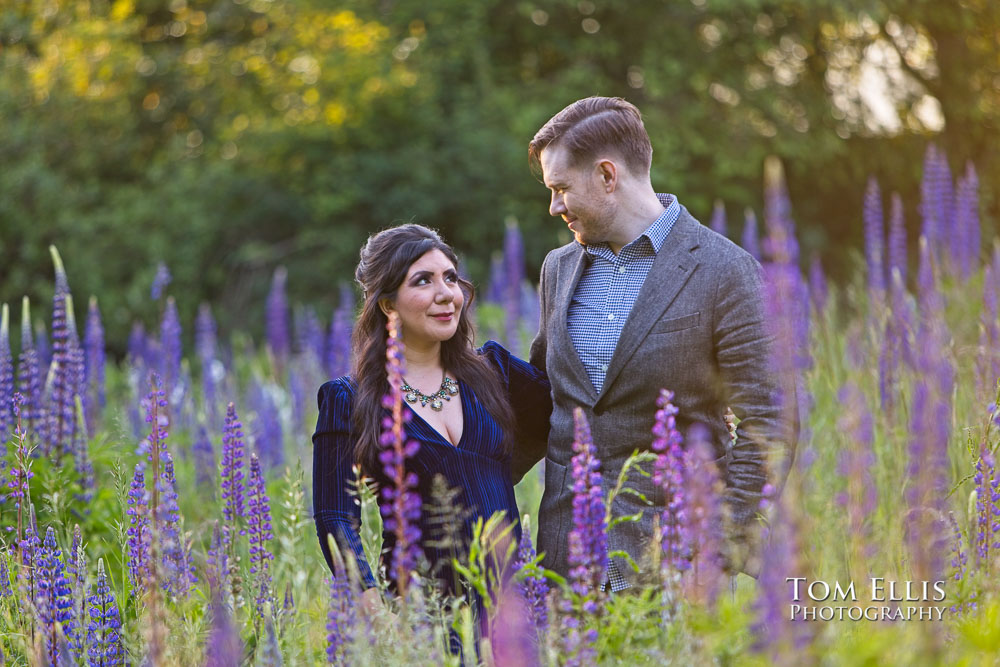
(223, 646)
(588, 546)
(161, 279)
(309, 334)
(987, 483)
(179, 572)
(703, 493)
(61, 414)
(277, 318)
(204, 458)
(400, 506)
(818, 289)
(5, 589)
(28, 547)
(718, 221)
(233, 496)
(6, 380)
(139, 538)
(338, 347)
(749, 239)
(968, 234)
(340, 618)
(205, 347)
(266, 427)
(897, 239)
(53, 599)
(668, 474)
(513, 262)
(874, 239)
(20, 472)
(859, 498)
(259, 533)
(76, 567)
(104, 642)
(29, 379)
(534, 588)
(930, 209)
(170, 350)
(93, 343)
(959, 562)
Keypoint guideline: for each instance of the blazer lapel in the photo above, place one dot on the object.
(570, 269)
(673, 266)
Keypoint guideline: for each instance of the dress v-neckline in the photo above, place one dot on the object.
(440, 436)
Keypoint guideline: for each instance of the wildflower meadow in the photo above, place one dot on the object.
(156, 509)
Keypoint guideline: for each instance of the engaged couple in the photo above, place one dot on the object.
(644, 298)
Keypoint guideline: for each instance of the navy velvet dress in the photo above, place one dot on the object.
(476, 467)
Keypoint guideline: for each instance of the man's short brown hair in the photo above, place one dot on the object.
(593, 124)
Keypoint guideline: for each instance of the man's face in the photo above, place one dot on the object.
(579, 195)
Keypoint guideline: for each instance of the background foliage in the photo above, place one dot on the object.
(226, 137)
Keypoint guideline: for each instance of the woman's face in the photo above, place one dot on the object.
(430, 300)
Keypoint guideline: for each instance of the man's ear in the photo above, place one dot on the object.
(385, 303)
(607, 170)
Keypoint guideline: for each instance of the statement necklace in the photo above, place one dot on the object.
(448, 389)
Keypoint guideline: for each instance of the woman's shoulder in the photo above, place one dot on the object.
(336, 397)
(494, 352)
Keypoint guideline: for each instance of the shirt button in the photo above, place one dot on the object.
(621, 269)
(611, 316)
(604, 367)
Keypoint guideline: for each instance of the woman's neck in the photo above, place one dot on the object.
(423, 360)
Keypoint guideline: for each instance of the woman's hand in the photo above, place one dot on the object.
(375, 609)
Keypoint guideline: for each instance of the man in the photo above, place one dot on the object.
(645, 298)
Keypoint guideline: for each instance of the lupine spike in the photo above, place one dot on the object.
(76, 566)
(259, 533)
(29, 380)
(277, 317)
(897, 238)
(718, 221)
(929, 197)
(161, 279)
(60, 384)
(339, 344)
(223, 646)
(818, 289)
(266, 431)
(104, 642)
(874, 238)
(94, 367)
(668, 474)
(53, 600)
(170, 347)
(400, 506)
(139, 538)
(6, 380)
(513, 263)
(534, 588)
(703, 491)
(749, 239)
(341, 614)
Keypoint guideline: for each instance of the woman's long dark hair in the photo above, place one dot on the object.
(385, 260)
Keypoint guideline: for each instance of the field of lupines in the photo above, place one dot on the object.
(157, 511)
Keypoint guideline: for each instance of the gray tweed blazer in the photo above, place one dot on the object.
(697, 328)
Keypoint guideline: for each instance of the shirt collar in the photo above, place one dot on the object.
(655, 234)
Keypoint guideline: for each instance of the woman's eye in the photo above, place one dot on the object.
(451, 277)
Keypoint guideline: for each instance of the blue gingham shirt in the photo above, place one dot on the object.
(608, 289)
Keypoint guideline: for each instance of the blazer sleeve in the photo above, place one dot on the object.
(539, 345)
(765, 434)
(334, 508)
(531, 400)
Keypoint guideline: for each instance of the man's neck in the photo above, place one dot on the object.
(635, 215)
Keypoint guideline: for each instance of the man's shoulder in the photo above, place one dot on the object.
(714, 248)
(556, 255)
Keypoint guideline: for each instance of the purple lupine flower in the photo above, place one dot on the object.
(178, 569)
(494, 290)
(29, 378)
(309, 334)
(926, 471)
(959, 562)
(930, 210)
(104, 642)
(781, 245)
(160, 281)
(400, 506)
(53, 597)
(512, 636)
(155, 404)
(340, 619)
(588, 545)
(513, 263)
(217, 560)
(223, 646)
(945, 198)
(968, 235)
(857, 460)
(211, 370)
(668, 474)
(988, 358)
(749, 239)
(874, 238)
(20, 472)
(61, 415)
(76, 567)
(5, 589)
(204, 458)
(703, 492)
(534, 588)
(930, 300)
(6, 381)
(139, 537)
(93, 343)
(266, 431)
(259, 532)
(170, 349)
(42, 345)
(897, 238)
(718, 221)
(28, 548)
(231, 474)
(531, 311)
(338, 349)
(987, 483)
(277, 317)
(818, 289)
(776, 632)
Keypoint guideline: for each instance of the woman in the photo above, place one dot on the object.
(474, 412)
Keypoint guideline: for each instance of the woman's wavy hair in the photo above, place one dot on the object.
(385, 260)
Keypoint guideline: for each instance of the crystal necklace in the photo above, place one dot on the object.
(448, 389)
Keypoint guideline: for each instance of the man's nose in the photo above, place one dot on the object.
(557, 206)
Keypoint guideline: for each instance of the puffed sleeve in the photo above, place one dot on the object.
(531, 399)
(334, 509)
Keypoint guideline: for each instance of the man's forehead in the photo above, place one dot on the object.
(553, 161)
